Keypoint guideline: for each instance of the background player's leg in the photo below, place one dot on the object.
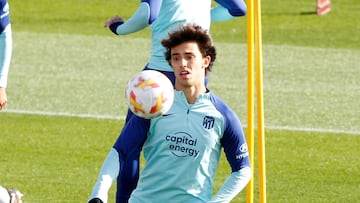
(128, 177)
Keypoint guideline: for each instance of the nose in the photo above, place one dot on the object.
(183, 62)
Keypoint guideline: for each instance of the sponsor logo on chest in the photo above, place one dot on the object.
(183, 144)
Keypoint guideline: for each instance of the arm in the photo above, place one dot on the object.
(227, 10)
(235, 183)
(235, 148)
(143, 17)
(5, 52)
(129, 141)
(108, 174)
(236, 151)
(5, 55)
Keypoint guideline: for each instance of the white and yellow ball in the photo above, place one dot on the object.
(149, 94)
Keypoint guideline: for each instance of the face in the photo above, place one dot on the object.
(188, 64)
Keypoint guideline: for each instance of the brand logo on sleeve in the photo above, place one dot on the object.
(243, 151)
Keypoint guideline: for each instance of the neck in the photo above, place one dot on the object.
(192, 92)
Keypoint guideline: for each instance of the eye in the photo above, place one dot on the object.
(175, 58)
(190, 57)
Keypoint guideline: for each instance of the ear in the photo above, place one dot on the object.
(206, 61)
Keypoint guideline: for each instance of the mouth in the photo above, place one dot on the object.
(184, 74)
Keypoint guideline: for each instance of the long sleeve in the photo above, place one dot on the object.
(227, 10)
(220, 14)
(138, 21)
(5, 44)
(233, 185)
(108, 174)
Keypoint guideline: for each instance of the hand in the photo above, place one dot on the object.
(112, 20)
(95, 200)
(3, 97)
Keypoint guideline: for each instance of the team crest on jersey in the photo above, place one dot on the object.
(208, 122)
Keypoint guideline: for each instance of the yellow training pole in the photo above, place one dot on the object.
(260, 102)
(250, 124)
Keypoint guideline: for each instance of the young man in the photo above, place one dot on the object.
(163, 16)
(166, 15)
(183, 147)
(5, 50)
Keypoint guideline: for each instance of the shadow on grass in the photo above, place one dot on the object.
(308, 13)
(291, 13)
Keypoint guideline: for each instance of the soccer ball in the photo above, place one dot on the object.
(149, 94)
(10, 195)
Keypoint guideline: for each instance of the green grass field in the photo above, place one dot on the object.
(66, 97)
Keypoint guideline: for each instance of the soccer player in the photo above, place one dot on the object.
(183, 147)
(163, 16)
(166, 15)
(5, 50)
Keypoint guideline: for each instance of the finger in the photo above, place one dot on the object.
(107, 23)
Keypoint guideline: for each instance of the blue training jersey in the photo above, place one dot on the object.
(182, 158)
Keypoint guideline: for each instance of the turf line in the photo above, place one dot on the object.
(290, 128)
(46, 113)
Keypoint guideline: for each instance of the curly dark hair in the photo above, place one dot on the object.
(193, 33)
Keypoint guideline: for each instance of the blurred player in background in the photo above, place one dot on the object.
(5, 50)
(10, 195)
(162, 16)
(182, 149)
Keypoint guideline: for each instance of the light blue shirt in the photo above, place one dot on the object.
(182, 158)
